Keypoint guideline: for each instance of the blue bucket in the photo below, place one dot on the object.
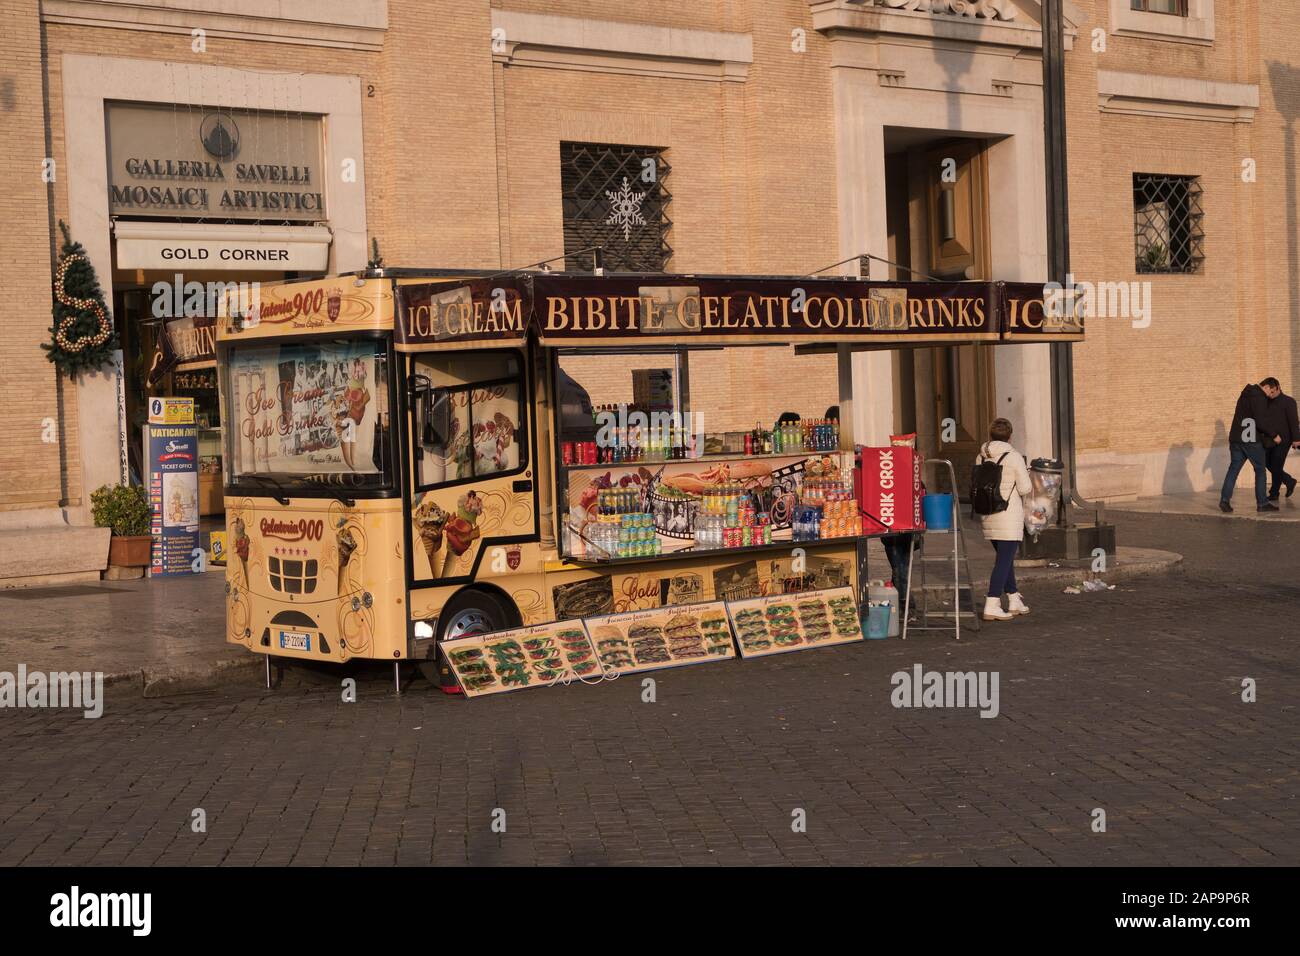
(878, 622)
(937, 511)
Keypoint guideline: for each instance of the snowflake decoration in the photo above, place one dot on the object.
(626, 209)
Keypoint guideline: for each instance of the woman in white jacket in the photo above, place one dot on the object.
(1006, 529)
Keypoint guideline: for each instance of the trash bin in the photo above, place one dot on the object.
(884, 592)
(1046, 475)
(878, 621)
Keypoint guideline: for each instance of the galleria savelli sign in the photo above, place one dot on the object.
(192, 162)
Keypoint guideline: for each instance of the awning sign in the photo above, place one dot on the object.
(689, 310)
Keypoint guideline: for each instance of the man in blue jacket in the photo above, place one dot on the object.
(1248, 441)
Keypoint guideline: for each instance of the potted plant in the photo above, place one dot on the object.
(125, 510)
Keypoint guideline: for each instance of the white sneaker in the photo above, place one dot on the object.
(993, 610)
(1015, 605)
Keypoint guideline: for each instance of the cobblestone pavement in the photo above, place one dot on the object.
(1128, 701)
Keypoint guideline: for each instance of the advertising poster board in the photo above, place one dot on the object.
(172, 444)
(539, 656)
(217, 549)
(795, 622)
(664, 637)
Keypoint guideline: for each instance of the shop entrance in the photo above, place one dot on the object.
(938, 225)
(169, 348)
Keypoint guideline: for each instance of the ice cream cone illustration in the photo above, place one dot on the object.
(347, 544)
(241, 546)
(462, 530)
(430, 521)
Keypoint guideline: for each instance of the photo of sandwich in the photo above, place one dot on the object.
(506, 651)
(616, 660)
(467, 655)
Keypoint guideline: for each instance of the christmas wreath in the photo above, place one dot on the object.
(82, 336)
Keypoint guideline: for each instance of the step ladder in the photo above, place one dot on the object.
(941, 549)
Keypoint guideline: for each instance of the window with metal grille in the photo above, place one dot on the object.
(1176, 7)
(1167, 221)
(615, 197)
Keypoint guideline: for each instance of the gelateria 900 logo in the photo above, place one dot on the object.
(312, 530)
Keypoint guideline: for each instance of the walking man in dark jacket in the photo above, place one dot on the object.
(1247, 442)
(1282, 418)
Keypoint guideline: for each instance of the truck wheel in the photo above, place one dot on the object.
(468, 613)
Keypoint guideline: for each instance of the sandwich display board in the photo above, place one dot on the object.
(795, 622)
(538, 656)
(662, 637)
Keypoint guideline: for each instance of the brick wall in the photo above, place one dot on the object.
(29, 391)
(1168, 389)
(462, 169)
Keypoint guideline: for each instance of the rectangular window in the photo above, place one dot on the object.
(470, 415)
(308, 415)
(1167, 220)
(1176, 7)
(615, 197)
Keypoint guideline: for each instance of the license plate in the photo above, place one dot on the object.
(295, 640)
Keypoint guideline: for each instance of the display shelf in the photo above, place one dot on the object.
(785, 544)
(737, 456)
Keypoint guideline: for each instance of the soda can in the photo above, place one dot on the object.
(567, 450)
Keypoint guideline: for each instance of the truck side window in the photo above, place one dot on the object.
(470, 419)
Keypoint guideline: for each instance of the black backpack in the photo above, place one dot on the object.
(986, 487)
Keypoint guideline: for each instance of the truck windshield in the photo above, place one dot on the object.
(309, 417)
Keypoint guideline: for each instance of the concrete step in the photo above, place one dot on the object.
(52, 555)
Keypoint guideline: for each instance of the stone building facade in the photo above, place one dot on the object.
(797, 134)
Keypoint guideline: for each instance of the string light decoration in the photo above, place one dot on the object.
(83, 338)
